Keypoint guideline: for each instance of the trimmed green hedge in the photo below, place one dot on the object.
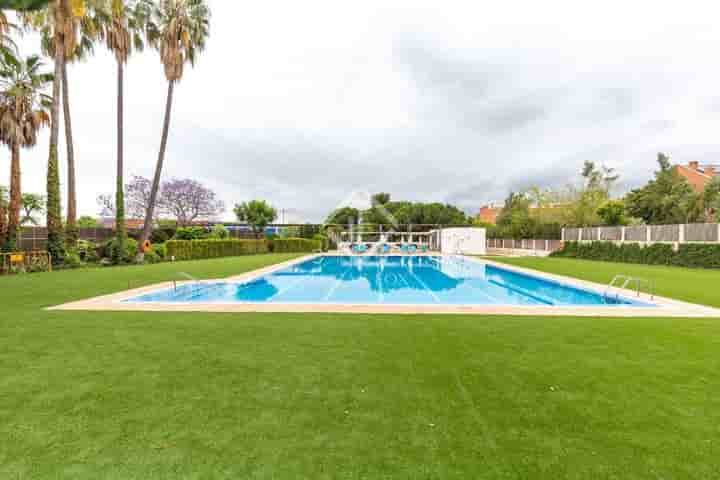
(691, 255)
(295, 245)
(199, 249)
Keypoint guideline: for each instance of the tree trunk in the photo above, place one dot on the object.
(56, 246)
(71, 224)
(15, 199)
(147, 228)
(120, 180)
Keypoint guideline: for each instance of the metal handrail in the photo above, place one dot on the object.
(627, 281)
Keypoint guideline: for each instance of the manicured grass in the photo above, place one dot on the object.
(687, 284)
(158, 395)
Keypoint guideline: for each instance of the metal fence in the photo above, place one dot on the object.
(687, 233)
(525, 244)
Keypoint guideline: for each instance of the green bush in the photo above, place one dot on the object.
(190, 233)
(72, 260)
(692, 255)
(87, 251)
(219, 232)
(198, 249)
(107, 249)
(295, 245)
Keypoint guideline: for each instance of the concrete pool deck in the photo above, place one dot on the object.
(663, 307)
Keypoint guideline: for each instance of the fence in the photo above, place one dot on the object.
(525, 244)
(687, 233)
(35, 238)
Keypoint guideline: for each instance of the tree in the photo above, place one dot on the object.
(188, 200)
(597, 184)
(3, 213)
(178, 29)
(32, 203)
(68, 30)
(381, 198)
(25, 5)
(123, 30)
(88, 222)
(344, 216)
(256, 213)
(62, 20)
(23, 112)
(514, 218)
(667, 199)
(711, 199)
(612, 212)
(136, 195)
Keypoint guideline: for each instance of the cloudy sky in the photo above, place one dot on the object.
(304, 103)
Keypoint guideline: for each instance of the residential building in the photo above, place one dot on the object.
(698, 175)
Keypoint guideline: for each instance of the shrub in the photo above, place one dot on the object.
(219, 232)
(198, 249)
(690, 255)
(87, 251)
(107, 249)
(190, 233)
(295, 245)
(324, 241)
(159, 236)
(72, 260)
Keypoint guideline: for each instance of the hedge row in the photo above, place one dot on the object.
(198, 249)
(692, 255)
(295, 245)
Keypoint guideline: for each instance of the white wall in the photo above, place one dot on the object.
(465, 241)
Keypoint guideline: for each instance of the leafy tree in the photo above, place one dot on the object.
(344, 216)
(23, 112)
(188, 200)
(514, 218)
(381, 198)
(32, 203)
(256, 213)
(178, 29)
(219, 232)
(88, 222)
(595, 190)
(711, 199)
(25, 5)
(667, 199)
(612, 212)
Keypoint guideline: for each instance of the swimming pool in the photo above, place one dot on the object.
(388, 280)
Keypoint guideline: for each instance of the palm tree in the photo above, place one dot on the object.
(178, 29)
(85, 22)
(23, 112)
(123, 33)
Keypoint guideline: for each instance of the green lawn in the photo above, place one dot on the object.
(153, 395)
(690, 285)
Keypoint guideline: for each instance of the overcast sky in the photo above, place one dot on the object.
(304, 103)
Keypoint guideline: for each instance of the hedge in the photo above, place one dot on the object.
(295, 245)
(198, 249)
(691, 255)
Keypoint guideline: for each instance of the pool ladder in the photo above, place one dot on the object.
(628, 281)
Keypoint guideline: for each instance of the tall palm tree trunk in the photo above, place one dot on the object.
(120, 181)
(15, 199)
(71, 224)
(56, 246)
(147, 228)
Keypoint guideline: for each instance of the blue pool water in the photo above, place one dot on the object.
(389, 280)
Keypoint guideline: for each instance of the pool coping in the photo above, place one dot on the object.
(661, 306)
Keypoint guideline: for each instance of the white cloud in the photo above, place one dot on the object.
(302, 103)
